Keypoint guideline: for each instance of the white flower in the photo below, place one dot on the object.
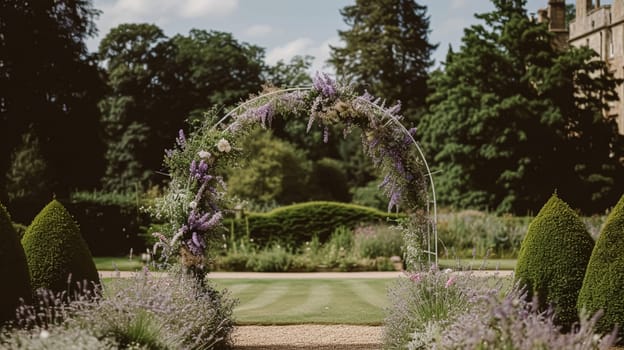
(448, 270)
(203, 154)
(193, 205)
(44, 334)
(224, 146)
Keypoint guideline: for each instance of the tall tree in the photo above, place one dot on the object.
(48, 81)
(512, 119)
(138, 62)
(157, 83)
(386, 50)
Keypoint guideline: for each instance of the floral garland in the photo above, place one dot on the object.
(195, 203)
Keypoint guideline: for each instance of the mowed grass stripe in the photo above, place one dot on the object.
(319, 297)
(372, 296)
(308, 301)
(238, 288)
(268, 294)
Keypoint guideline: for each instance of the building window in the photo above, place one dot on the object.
(611, 47)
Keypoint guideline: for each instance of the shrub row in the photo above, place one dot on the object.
(296, 224)
(560, 263)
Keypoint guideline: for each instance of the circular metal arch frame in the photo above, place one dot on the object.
(431, 205)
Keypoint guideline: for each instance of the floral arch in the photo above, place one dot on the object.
(195, 203)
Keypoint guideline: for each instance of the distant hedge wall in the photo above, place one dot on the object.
(298, 223)
(110, 227)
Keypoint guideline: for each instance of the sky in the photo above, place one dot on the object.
(285, 28)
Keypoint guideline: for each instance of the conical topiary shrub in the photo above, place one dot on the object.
(13, 268)
(603, 286)
(553, 258)
(55, 249)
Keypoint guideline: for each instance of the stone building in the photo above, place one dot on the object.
(601, 27)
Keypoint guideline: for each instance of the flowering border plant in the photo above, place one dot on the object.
(195, 202)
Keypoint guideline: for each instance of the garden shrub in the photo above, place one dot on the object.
(378, 241)
(141, 312)
(13, 267)
(422, 299)
(553, 258)
(603, 286)
(511, 323)
(297, 224)
(55, 249)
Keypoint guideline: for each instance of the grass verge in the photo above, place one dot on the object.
(108, 263)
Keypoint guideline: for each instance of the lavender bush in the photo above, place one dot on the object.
(514, 323)
(424, 302)
(139, 313)
(468, 313)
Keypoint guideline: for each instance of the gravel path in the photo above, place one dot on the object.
(308, 337)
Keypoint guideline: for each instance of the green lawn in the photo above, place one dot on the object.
(320, 301)
(478, 264)
(108, 263)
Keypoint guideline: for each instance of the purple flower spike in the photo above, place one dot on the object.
(326, 134)
(265, 113)
(324, 84)
(395, 196)
(394, 109)
(181, 140)
(198, 241)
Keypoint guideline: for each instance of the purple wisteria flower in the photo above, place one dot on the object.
(325, 85)
(199, 171)
(265, 113)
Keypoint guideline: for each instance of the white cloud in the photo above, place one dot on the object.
(259, 30)
(160, 11)
(458, 4)
(201, 8)
(302, 47)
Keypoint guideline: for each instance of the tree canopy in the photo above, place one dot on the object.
(49, 85)
(511, 119)
(157, 83)
(386, 50)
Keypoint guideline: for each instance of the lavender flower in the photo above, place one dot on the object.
(326, 134)
(181, 140)
(324, 84)
(199, 171)
(264, 114)
(394, 109)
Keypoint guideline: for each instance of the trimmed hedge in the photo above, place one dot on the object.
(298, 223)
(553, 258)
(55, 249)
(14, 269)
(111, 224)
(111, 229)
(603, 286)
